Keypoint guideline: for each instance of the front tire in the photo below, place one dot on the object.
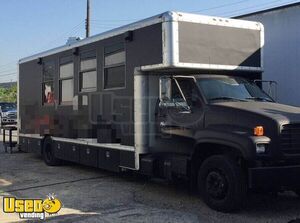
(221, 183)
(48, 153)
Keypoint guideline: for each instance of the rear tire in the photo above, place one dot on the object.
(221, 183)
(48, 153)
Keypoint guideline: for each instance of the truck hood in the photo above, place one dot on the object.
(10, 111)
(284, 114)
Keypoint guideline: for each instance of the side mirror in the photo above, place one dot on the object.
(270, 87)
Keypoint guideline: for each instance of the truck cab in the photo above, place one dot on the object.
(239, 137)
(8, 113)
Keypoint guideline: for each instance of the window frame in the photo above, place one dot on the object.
(179, 89)
(68, 60)
(44, 82)
(176, 80)
(196, 93)
(87, 56)
(114, 49)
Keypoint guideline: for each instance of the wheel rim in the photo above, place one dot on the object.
(216, 185)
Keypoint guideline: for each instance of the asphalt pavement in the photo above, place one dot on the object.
(94, 195)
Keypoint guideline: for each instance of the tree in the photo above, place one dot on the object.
(8, 94)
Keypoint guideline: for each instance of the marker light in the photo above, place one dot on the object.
(259, 131)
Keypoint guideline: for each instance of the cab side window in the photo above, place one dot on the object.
(175, 92)
(189, 90)
(169, 91)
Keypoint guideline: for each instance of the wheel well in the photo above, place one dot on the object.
(204, 150)
(43, 141)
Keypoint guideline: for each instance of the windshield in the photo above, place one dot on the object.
(230, 88)
(7, 106)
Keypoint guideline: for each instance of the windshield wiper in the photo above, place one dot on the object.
(226, 98)
(260, 99)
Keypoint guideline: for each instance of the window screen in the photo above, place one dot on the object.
(88, 80)
(114, 67)
(88, 74)
(116, 58)
(67, 89)
(114, 77)
(88, 64)
(66, 70)
(48, 71)
(66, 80)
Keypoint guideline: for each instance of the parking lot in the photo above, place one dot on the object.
(93, 195)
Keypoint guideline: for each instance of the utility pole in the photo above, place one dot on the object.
(87, 20)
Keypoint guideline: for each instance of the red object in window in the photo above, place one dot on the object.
(50, 98)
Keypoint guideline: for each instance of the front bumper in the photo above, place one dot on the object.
(274, 177)
(5, 121)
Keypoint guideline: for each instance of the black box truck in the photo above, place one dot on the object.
(170, 96)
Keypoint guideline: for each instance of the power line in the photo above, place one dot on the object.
(102, 27)
(68, 32)
(113, 23)
(105, 26)
(11, 62)
(64, 35)
(231, 13)
(72, 30)
(8, 74)
(221, 6)
(9, 70)
(109, 24)
(114, 20)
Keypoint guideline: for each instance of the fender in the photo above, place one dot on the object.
(243, 143)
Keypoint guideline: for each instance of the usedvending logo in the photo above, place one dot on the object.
(32, 208)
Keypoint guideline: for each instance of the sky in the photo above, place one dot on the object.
(32, 26)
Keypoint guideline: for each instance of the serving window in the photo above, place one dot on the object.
(48, 82)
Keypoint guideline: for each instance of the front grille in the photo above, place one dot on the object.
(12, 115)
(290, 139)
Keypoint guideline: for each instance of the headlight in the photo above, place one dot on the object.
(261, 148)
(4, 114)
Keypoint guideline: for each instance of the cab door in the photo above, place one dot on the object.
(180, 107)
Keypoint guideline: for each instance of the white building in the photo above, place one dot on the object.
(282, 49)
